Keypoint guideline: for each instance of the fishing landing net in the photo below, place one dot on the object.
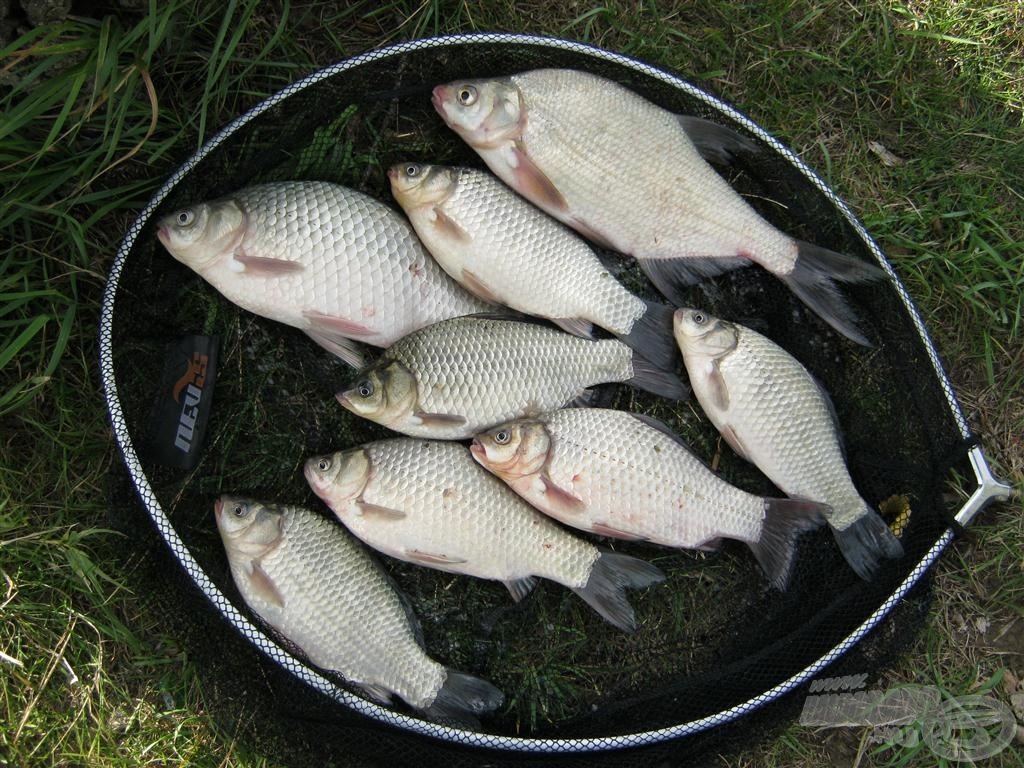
(717, 651)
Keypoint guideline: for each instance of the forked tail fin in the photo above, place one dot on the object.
(867, 541)
(784, 521)
(651, 336)
(605, 590)
(814, 277)
(462, 700)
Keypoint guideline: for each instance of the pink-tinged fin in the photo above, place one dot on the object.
(334, 325)
(345, 349)
(575, 326)
(264, 586)
(448, 227)
(520, 588)
(603, 529)
(267, 267)
(534, 185)
(560, 499)
(375, 510)
(439, 419)
(478, 287)
(432, 559)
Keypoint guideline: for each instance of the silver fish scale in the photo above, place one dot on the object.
(663, 201)
(636, 479)
(341, 610)
(772, 395)
(362, 262)
(490, 371)
(535, 264)
(454, 508)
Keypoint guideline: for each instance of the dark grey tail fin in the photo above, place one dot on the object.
(814, 278)
(784, 520)
(650, 378)
(611, 575)
(462, 699)
(651, 336)
(867, 541)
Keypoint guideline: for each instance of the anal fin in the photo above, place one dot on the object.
(520, 588)
(375, 510)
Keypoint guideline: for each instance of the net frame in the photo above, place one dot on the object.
(988, 487)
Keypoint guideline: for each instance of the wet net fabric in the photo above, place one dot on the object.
(716, 642)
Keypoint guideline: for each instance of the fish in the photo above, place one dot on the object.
(634, 177)
(326, 259)
(776, 415)
(506, 251)
(628, 476)
(317, 588)
(458, 377)
(428, 503)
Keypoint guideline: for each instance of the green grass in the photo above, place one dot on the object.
(98, 111)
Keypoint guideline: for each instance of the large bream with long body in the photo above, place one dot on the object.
(632, 176)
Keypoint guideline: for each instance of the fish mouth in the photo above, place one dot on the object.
(478, 451)
(342, 397)
(393, 172)
(163, 234)
(438, 97)
(218, 508)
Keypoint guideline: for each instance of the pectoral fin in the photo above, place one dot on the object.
(266, 267)
(448, 227)
(717, 389)
(264, 586)
(439, 419)
(375, 510)
(534, 184)
(432, 559)
(560, 498)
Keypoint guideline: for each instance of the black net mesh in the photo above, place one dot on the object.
(713, 637)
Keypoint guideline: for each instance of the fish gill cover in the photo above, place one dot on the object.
(713, 636)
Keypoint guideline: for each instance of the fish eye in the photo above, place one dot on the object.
(412, 170)
(324, 464)
(699, 318)
(365, 388)
(467, 95)
(502, 436)
(239, 510)
(184, 218)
